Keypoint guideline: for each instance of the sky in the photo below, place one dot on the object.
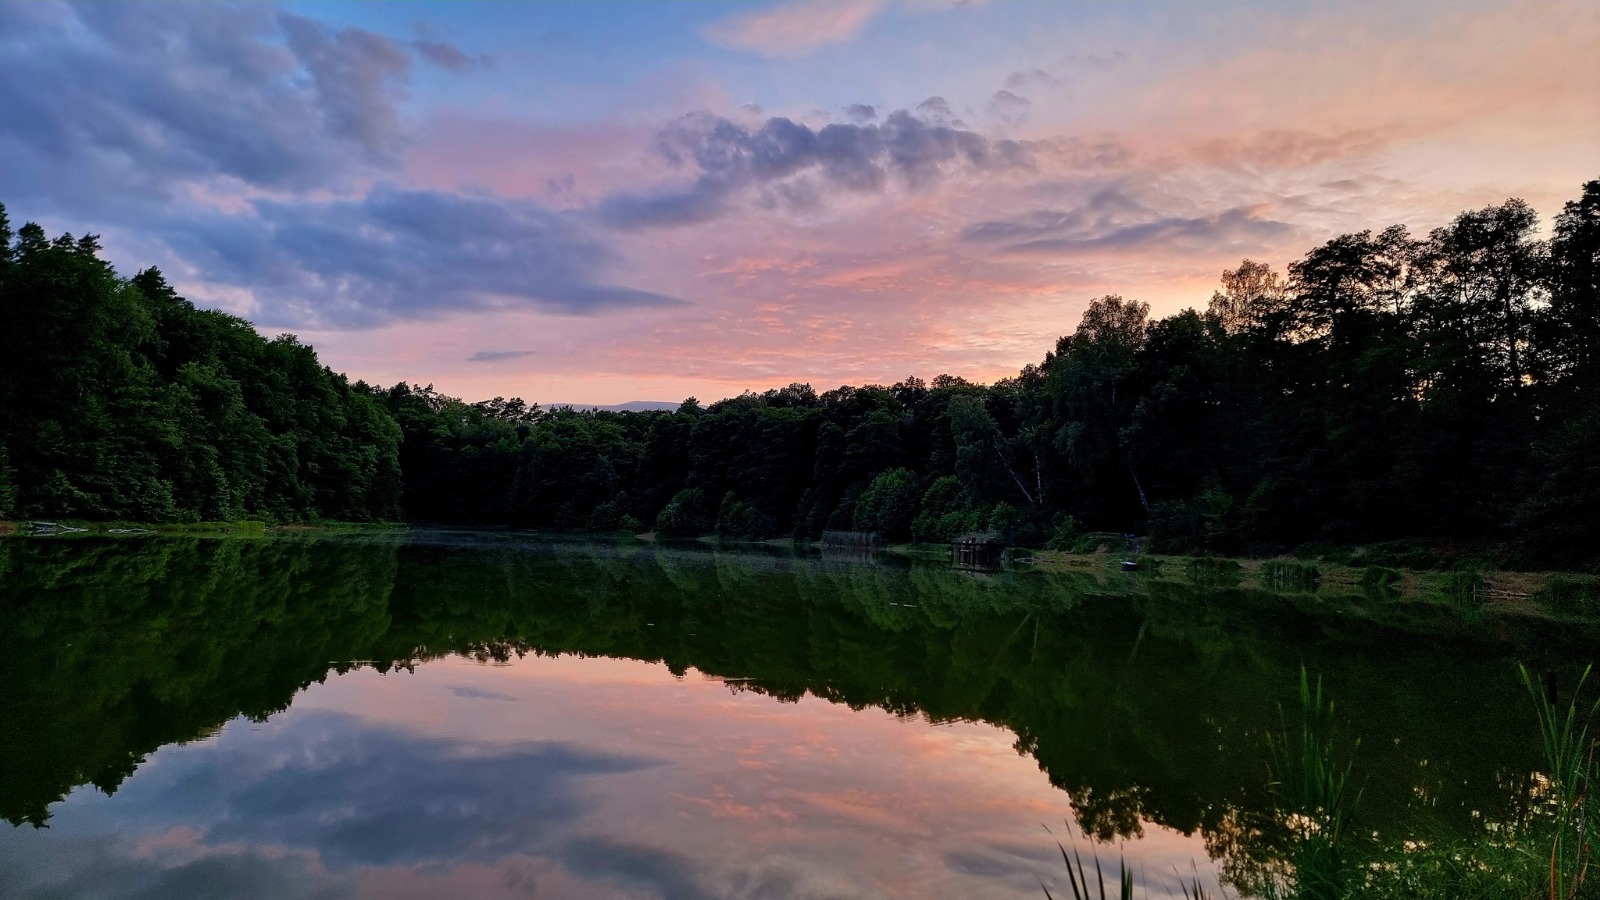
(600, 202)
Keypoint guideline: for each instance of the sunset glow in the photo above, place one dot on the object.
(598, 203)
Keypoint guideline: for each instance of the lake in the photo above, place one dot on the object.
(488, 715)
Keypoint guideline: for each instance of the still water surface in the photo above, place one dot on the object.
(500, 715)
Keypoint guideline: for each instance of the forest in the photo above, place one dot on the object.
(1438, 391)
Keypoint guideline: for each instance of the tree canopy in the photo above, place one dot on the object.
(1383, 387)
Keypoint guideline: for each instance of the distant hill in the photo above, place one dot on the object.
(630, 406)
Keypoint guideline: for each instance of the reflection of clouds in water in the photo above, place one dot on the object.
(672, 874)
(388, 798)
(318, 802)
(471, 693)
(300, 805)
(1022, 868)
(113, 868)
(677, 876)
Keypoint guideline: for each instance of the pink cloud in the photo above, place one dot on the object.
(793, 29)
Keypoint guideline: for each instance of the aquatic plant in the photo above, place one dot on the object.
(1315, 797)
(1570, 762)
(1078, 877)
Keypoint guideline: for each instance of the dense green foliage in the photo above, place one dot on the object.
(121, 400)
(1442, 390)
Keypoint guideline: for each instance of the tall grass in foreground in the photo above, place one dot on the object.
(1078, 877)
(1569, 754)
(1078, 880)
(1547, 855)
(1314, 797)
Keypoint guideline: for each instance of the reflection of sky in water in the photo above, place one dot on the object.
(567, 777)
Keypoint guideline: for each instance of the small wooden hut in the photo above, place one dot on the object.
(977, 551)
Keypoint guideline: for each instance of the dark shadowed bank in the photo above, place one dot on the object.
(1438, 396)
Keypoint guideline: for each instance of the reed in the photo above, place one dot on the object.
(1315, 796)
(1569, 753)
(1078, 877)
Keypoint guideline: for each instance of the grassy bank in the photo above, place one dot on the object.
(244, 527)
(1474, 591)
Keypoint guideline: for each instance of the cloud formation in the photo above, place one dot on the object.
(435, 206)
(860, 113)
(1112, 222)
(388, 799)
(264, 98)
(403, 254)
(729, 158)
(1010, 109)
(492, 356)
(449, 56)
(793, 29)
(303, 810)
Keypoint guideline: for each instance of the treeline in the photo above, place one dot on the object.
(120, 400)
(1387, 386)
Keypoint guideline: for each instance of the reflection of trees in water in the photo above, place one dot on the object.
(1149, 706)
(1107, 817)
(114, 648)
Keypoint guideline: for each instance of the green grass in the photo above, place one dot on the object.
(231, 527)
(1570, 595)
(1288, 576)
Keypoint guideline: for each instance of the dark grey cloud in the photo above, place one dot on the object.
(1104, 211)
(1030, 78)
(107, 99)
(448, 56)
(1111, 222)
(401, 254)
(731, 158)
(127, 119)
(489, 356)
(860, 112)
(354, 73)
(937, 110)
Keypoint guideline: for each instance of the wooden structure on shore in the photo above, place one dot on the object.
(976, 551)
(851, 540)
